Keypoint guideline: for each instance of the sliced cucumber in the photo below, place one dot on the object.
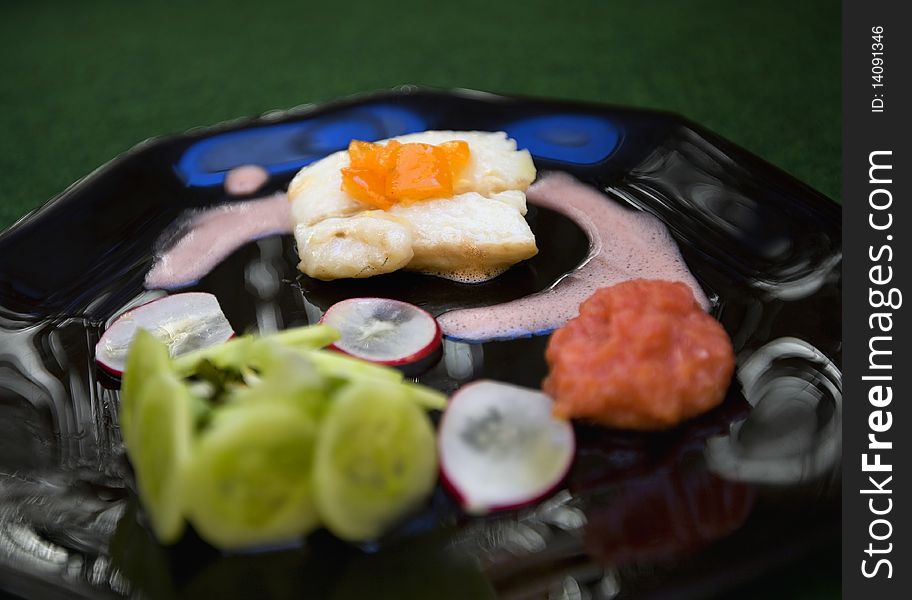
(156, 424)
(234, 448)
(334, 364)
(239, 352)
(375, 460)
(426, 397)
(289, 378)
(249, 481)
(147, 357)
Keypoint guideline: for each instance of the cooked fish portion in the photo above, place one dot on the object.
(316, 192)
(495, 165)
(367, 244)
(470, 237)
(473, 236)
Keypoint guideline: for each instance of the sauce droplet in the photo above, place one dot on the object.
(246, 179)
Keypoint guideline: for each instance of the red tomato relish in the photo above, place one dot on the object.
(642, 354)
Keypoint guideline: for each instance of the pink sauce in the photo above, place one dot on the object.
(625, 244)
(213, 235)
(246, 179)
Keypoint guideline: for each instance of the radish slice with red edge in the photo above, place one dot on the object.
(500, 446)
(184, 322)
(387, 332)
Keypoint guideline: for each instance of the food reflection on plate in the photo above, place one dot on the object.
(666, 515)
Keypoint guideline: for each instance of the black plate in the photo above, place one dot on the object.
(722, 498)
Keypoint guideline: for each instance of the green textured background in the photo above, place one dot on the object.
(84, 81)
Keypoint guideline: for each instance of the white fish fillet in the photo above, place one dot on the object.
(473, 236)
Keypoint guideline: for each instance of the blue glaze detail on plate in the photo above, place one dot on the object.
(569, 138)
(287, 147)
(519, 335)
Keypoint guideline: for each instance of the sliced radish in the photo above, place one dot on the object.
(500, 447)
(384, 331)
(184, 322)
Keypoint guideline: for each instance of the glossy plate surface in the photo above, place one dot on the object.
(689, 512)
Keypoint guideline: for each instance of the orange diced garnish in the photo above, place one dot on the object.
(362, 154)
(457, 153)
(422, 171)
(365, 185)
(380, 176)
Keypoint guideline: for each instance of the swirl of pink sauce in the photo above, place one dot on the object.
(213, 235)
(624, 244)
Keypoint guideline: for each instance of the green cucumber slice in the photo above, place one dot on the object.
(239, 352)
(376, 459)
(335, 364)
(159, 447)
(426, 397)
(146, 357)
(250, 480)
(156, 426)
